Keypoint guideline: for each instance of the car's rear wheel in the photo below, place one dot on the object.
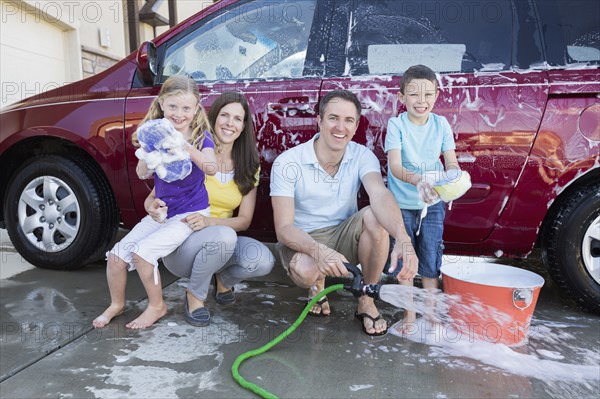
(60, 212)
(571, 246)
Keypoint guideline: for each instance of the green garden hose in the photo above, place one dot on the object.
(236, 364)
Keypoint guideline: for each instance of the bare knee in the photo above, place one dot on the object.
(140, 263)
(115, 263)
(303, 270)
(372, 227)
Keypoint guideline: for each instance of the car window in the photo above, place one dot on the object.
(571, 30)
(387, 37)
(258, 39)
(528, 49)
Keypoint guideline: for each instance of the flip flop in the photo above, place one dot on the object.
(320, 302)
(361, 317)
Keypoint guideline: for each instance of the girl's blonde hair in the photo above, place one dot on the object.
(177, 85)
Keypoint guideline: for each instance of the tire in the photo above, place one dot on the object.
(60, 213)
(571, 246)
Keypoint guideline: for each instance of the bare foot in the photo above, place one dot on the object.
(322, 307)
(371, 327)
(148, 317)
(107, 316)
(407, 325)
(433, 319)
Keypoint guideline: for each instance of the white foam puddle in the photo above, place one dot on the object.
(241, 287)
(453, 347)
(183, 282)
(152, 382)
(550, 354)
(355, 388)
(271, 284)
(149, 364)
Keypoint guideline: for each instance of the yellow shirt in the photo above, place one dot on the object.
(224, 197)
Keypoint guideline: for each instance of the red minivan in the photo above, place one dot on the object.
(519, 80)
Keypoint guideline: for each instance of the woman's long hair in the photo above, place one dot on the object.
(244, 152)
(173, 86)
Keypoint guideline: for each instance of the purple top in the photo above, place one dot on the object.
(187, 195)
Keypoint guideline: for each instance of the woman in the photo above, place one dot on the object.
(215, 250)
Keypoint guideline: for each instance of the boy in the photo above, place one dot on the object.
(413, 145)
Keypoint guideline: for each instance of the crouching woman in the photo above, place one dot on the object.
(215, 250)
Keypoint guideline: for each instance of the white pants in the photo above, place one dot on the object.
(152, 240)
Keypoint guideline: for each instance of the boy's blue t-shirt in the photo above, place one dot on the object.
(421, 147)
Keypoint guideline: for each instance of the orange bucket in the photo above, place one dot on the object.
(491, 302)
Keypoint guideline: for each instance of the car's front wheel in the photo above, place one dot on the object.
(571, 246)
(60, 213)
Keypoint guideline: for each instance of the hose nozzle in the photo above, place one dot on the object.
(372, 290)
(358, 287)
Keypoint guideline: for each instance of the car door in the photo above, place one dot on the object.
(269, 51)
(494, 109)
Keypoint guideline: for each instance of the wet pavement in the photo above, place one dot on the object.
(50, 350)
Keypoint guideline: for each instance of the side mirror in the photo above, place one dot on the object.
(146, 62)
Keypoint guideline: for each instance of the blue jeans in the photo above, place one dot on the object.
(428, 244)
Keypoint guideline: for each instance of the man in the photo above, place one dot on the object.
(317, 222)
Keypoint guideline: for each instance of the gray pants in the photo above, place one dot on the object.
(218, 249)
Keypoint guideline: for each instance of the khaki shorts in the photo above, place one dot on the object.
(343, 238)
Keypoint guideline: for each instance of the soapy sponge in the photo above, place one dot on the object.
(453, 184)
(449, 185)
(164, 150)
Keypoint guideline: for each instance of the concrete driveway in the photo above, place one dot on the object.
(50, 350)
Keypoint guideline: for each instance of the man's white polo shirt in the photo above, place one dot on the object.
(319, 199)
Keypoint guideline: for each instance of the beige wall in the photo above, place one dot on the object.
(43, 42)
(39, 50)
(47, 43)
(104, 16)
(187, 8)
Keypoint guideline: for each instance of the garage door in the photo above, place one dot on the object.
(32, 54)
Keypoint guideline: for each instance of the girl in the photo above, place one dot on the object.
(215, 248)
(179, 102)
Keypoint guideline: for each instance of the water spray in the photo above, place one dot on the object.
(463, 309)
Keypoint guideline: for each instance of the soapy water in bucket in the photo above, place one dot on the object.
(498, 279)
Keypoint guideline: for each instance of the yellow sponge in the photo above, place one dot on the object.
(453, 185)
